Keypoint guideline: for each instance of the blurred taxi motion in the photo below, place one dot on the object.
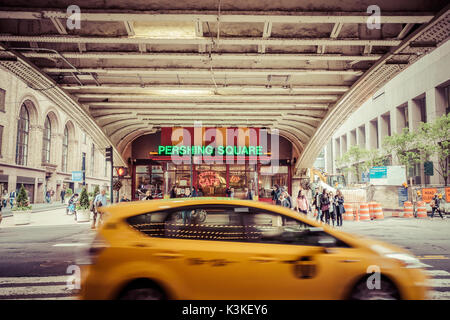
(221, 248)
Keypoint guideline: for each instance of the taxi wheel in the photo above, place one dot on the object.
(387, 291)
(142, 294)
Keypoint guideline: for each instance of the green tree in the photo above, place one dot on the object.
(84, 200)
(354, 161)
(434, 141)
(404, 146)
(22, 202)
(96, 191)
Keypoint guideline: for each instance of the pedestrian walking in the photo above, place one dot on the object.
(325, 206)
(5, 198)
(302, 202)
(332, 209)
(340, 210)
(435, 206)
(99, 201)
(63, 194)
(232, 193)
(12, 198)
(248, 194)
(317, 204)
(173, 192)
(277, 194)
(124, 198)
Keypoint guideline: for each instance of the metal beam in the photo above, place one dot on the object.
(197, 41)
(190, 72)
(225, 16)
(279, 106)
(267, 31)
(405, 30)
(58, 25)
(130, 27)
(206, 98)
(232, 89)
(214, 56)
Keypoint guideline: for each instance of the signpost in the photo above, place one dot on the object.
(428, 194)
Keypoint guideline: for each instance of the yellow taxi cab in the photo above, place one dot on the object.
(221, 248)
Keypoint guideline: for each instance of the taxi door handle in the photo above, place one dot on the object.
(262, 259)
(349, 260)
(168, 255)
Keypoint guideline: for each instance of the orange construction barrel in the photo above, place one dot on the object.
(408, 210)
(377, 211)
(348, 215)
(421, 210)
(364, 214)
(371, 210)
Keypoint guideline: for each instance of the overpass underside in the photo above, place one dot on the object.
(132, 67)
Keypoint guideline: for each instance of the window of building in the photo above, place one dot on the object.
(23, 128)
(403, 117)
(374, 138)
(65, 149)
(46, 141)
(83, 161)
(447, 99)
(421, 103)
(2, 100)
(1, 140)
(92, 160)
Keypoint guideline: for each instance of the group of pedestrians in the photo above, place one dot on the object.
(329, 207)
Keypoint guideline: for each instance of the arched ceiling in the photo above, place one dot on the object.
(138, 65)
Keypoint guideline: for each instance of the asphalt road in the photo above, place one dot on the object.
(34, 259)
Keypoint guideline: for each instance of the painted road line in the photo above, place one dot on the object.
(75, 244)
(35, 290)
(440, 283)
(32, 280)
(437, 273)
(433, 257)
(439, 295)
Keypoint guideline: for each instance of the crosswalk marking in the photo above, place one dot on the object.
(437, 273)
(36, 288)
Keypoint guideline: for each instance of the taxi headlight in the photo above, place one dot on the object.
(408, 261)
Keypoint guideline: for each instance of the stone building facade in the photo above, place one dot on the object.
(40, 146)
(419, 93)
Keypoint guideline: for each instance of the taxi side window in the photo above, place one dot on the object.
(150, 224)
(267, 227)
(216, 223)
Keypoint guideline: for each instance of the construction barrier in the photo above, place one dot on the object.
(348, 215)
(408, 209)
(377, 211)
(371, 209)
(421, 210)
(396, 214)
(364, 214)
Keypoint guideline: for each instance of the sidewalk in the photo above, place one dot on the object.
(52, 217)
(37, 207)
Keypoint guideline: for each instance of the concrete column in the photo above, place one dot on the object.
(413, 114)
(329, 156)
(371, 136)
(361, 136)
(35, 146)
(436, 103)
(56, 149)
(351, 138)
(344, 146)
(383, 129)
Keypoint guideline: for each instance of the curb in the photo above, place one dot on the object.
(10, 214)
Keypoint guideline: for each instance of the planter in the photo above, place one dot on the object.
(22, 217)
(83, 215)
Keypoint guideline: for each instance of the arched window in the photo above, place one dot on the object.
(46, 141)
(65, 149)
(23, 129)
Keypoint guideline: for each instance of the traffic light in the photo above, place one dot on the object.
(122, 172)
(428, 166)
(109, 154)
